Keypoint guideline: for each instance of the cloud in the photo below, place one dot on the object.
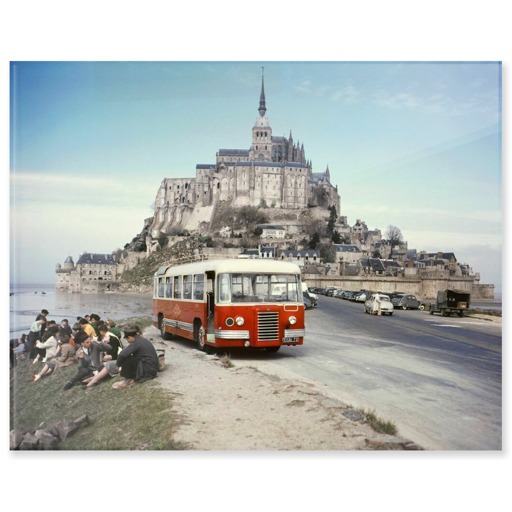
(70, 189)
(346, 94)
(53, 216)
(397, 100)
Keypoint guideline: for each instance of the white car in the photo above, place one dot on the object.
(386, 307)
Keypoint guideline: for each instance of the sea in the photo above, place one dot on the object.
(27, 301)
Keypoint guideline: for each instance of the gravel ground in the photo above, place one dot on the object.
(221, 407)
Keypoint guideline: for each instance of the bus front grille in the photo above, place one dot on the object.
(268, 326)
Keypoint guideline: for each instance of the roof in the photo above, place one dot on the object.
(230, 266)
(352, 270)
(375, 264)
(271, 226)
(88, 258)
(346, 248)
(261, 250)
(233, 152)
(437, 255)
(299, 252)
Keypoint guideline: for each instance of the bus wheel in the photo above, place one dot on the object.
(273, 349)
(165, 335)
(199, 336)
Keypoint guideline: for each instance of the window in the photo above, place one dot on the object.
(168, 288)
(199, 286)
(187, 287)
(160, 287)
(177, 287)
(223, 293)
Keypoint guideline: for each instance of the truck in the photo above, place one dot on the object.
(451, 301)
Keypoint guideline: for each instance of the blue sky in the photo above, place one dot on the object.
(412, 144)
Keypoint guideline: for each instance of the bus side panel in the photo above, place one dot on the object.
(178, 316)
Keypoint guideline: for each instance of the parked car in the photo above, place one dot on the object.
(361, 297)
(330, 291)
(393, 295)
(307, 302)
(405, 301)
(309, 291)
(307, 296)
(337, 294)
(386, 307)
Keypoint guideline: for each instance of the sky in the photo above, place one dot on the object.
(415, 145)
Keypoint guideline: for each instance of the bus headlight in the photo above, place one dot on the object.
(239, 320)
(292, 320)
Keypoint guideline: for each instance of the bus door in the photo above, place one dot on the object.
(210, 305)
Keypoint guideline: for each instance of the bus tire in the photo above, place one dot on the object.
(165, 335)
(199, 336)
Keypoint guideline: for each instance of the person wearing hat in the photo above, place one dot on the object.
(138, 361)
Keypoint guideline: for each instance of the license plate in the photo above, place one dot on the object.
(289, 339)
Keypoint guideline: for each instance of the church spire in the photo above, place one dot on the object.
(262, 108)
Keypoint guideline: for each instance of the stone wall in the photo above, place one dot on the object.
(424, 288)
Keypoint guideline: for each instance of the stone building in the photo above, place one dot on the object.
(92, 273)
(273, 172)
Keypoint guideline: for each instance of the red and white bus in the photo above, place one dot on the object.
(231, 303)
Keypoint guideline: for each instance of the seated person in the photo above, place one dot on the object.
(65, 357)
(138, 361)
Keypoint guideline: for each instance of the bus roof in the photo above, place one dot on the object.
(229, 266)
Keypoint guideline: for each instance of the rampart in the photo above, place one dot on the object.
(425, 287)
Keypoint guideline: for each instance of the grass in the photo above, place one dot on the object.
(489, 312)
(137, 418)
(225, 361)
(378, 424)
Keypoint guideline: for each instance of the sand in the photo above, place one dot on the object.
(219, 406)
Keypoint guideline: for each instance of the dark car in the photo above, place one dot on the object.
(406, 301)
(312, 300)
(307, 303)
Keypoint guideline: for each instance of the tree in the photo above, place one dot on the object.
(336, 237)
(332, 219)
(315, 239)
(394, 236)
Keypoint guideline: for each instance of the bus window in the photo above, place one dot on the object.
(224, 293)
(262, 286)
(177, 287)
(187, 287)
(160, 286)
(198, 286)
(242, 288)
(168, 290)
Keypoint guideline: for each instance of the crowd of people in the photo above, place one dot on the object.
(97, 347)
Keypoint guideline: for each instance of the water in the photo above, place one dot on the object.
(486, 304)
(27, 301)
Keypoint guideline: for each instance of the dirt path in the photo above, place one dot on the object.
(222, 407)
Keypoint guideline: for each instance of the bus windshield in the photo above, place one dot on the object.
(258, 287)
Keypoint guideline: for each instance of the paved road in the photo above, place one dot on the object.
(438, 379)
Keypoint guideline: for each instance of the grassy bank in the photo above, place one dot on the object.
(137, 418)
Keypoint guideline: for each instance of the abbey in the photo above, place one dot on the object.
(273, 172)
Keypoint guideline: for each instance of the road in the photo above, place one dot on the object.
(439, 379)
